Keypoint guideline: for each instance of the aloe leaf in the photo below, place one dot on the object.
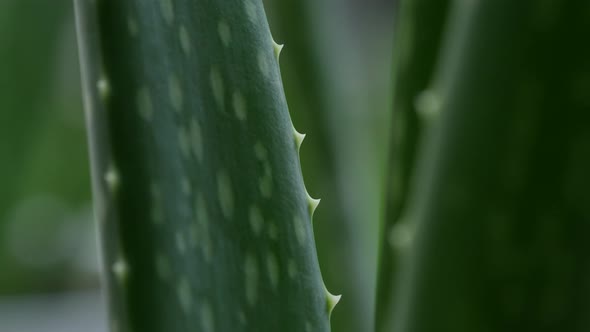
(501, 197)
(419, 29)
(309, 94)
(204, 216)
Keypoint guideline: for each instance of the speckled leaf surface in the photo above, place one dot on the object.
(204, 216)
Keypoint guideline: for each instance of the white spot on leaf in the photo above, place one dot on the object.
(196, 139)
(175, 93)
(272, 267)
(185, 186)
(185, 41)
(225, 194)
(167, 9)
(224, 33)
(217, 88)
(239, 104)
(184, 143)
(260, 151)
(251, 11)
(263, 64)
(265, 182)
(180, 243)
(299, 228)
(185, 297)
(202, 229)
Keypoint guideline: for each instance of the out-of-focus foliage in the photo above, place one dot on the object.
(419, 27)
(46, 240)
(499, 200)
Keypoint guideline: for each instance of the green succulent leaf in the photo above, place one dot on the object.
(501, 197)
(204, 216)
(418, 37)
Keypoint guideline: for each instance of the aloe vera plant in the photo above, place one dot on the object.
(500, 198)
(204, 216)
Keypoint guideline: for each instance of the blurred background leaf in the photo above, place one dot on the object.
(46, 240)
(418, 33)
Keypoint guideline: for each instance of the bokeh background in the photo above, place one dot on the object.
(336, 71)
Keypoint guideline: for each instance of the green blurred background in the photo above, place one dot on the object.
(336, 70)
